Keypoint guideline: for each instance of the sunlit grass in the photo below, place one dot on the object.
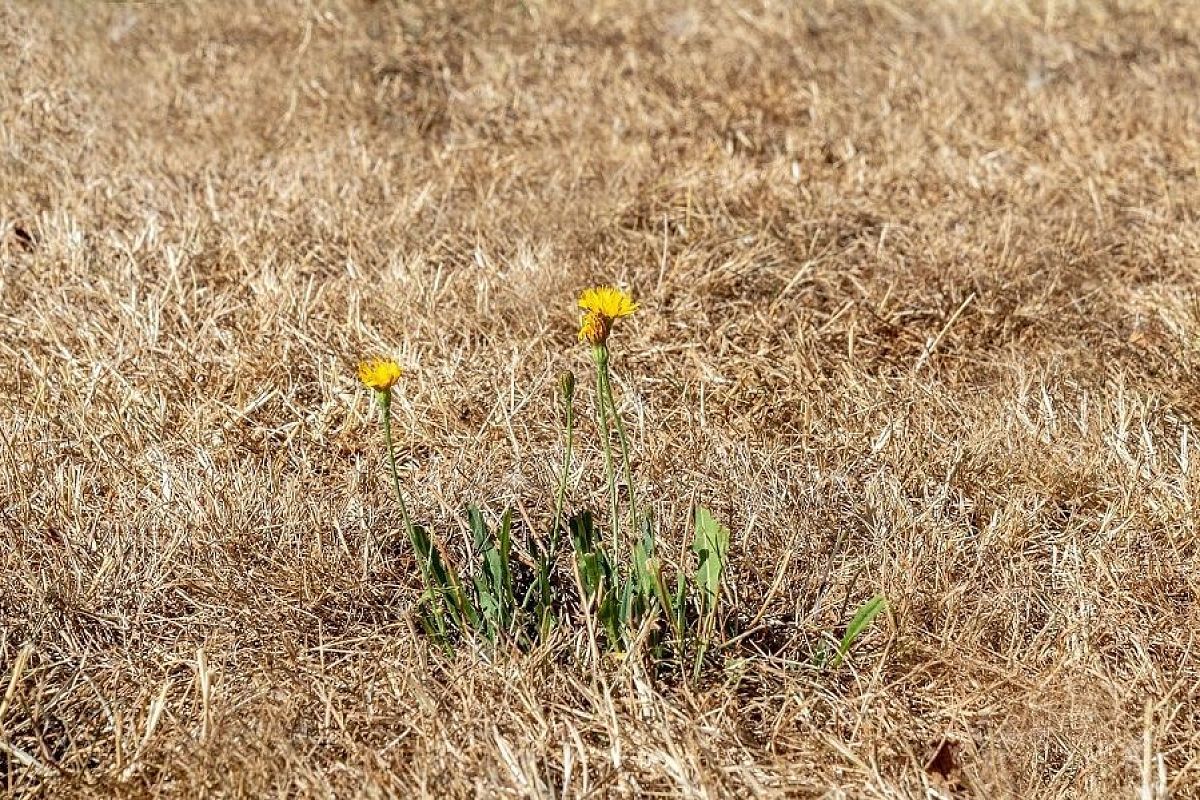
(915, 288)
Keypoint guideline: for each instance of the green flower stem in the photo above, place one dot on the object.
(600, 356)
(606, 382)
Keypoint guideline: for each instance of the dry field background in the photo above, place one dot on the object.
(918, 317)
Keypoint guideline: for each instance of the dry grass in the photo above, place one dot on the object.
(918, 290)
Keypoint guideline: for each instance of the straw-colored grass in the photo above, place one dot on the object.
(917, 317)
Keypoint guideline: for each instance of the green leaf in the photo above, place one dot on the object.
(493, 584)
(583, 532)
(429, 560)
(598, 578)
(659, 587)
(627, 608)
(862, 620)
(589, 573)
(711, 546)
(489, 605)
(643, 551)
(479, 529)
(504, 541)
(438, 581)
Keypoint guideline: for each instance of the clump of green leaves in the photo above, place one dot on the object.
(638, 603)
(619, 582)
(627, 596)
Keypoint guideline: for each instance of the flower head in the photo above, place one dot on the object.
(607, 301)
(379, 374)
(602, 305)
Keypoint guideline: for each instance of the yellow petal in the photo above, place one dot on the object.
(608, 301)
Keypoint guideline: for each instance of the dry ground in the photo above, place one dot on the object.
(918, 318)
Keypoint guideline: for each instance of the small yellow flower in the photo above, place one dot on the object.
(602, 305)
(379, 374)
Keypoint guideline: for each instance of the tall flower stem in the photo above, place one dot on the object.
(600, 356)
(606, 390)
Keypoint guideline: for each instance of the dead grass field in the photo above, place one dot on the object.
(919, 317)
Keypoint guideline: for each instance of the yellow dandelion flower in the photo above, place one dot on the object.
(607, 301)
(380, 374)
(602, 305)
